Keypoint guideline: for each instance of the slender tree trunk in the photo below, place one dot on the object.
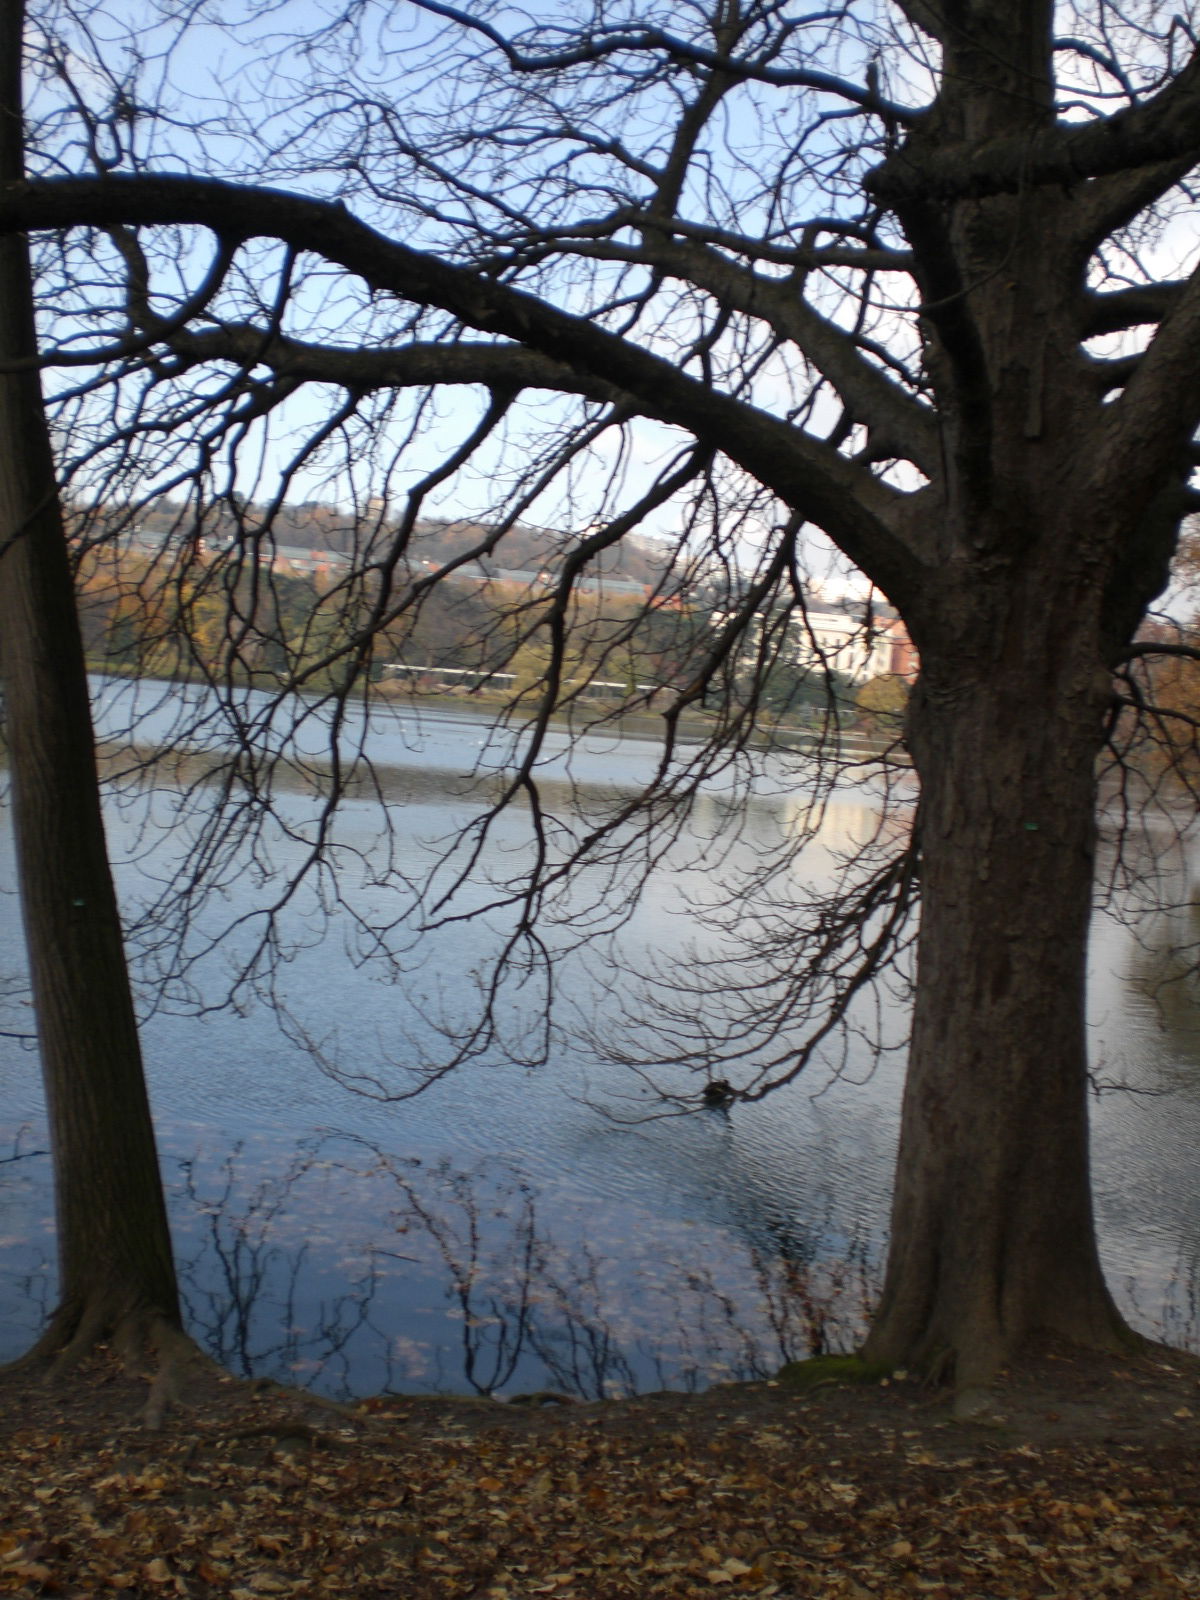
(117, 1272)
(992, 1231)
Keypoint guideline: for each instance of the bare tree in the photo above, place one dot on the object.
(908, 274)
(117, 1277)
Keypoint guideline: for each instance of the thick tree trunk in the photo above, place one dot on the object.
(117, 1272)
(992, 1233)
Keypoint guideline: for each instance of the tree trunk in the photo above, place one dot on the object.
(992, 1233)
(116, 1267)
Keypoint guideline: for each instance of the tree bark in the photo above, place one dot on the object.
(992, 1238)
(117, 1276)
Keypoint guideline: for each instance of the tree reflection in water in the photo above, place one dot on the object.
(472, 1289)
(27, 1280)
(243, 1284)
(356, 1271)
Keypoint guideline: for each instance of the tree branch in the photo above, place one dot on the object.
(1158, 411)
(1153, 647)
(871, 397)
(860, 258)
(134, 343)
(365, 370)
(856, 508)
(1130, 308)
(607, 41)
(1160, 132)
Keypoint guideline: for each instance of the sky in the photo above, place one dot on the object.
(227, 81)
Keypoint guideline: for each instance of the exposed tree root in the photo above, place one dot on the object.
(150, 1347)
(278, 1433)
(972, 1365)
(321, 1401)
(148, 1344)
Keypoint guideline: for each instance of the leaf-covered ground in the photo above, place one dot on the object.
(1084, 1481)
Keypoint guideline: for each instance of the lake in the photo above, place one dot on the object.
(517, 1229)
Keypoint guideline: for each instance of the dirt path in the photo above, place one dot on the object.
(1083, 1481)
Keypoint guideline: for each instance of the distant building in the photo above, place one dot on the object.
(851, 638)
(296, 561)
(906, 663)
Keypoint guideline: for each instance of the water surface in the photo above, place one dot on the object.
(509, 1229)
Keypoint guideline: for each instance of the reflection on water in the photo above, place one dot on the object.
(1163, 976)
(501, 1233)
(358, 1272)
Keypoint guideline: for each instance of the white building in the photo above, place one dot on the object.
(847, 638)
